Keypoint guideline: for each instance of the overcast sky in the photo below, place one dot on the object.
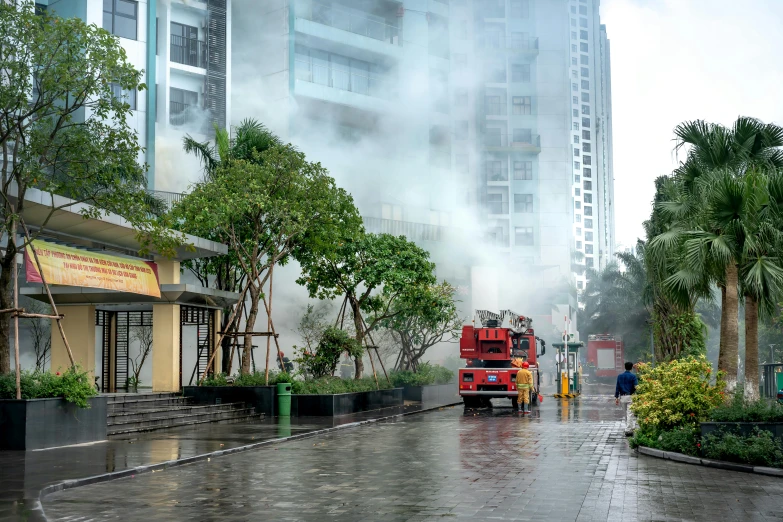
(677, 60)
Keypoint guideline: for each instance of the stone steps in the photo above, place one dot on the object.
(133, 413)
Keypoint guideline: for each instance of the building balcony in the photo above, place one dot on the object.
(167, 199)
(523, 45)
(348, 20)
(496, 175)
(505, 142)
(344, 79)
(497, 208)
(188, 51)
(493, 108)
(412, 231)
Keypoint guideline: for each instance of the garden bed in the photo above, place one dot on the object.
(432, 394)
(333, 405)
(262, 398)
(30, 424)
(719, 464)
(744, 429)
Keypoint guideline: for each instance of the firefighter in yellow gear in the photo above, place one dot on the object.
(524, 387)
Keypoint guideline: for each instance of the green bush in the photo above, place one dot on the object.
(332, 385)
(679, 440)
(759, 449)
(428, 374)
(332, 345)
(253, 379)
(73, 385)
(217, 379)
(740, 410)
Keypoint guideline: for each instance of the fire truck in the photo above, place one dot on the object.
(489, 345)
(605, 357)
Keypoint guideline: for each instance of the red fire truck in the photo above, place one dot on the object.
(489, 349)
(605, 357)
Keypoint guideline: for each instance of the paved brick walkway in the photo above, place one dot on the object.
(565, 463)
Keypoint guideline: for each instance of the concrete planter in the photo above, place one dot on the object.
(345, 403)
(742, 428)
(434, 394)
(262, 398)
(48, 423)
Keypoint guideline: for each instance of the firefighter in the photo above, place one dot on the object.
(524, 387)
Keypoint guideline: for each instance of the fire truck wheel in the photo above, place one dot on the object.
(486, 402)
(472, 402)
(534, 399)
(514, 403)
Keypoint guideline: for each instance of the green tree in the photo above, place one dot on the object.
(374, 273)
(63, 132)
(267, 210)
(418, 328)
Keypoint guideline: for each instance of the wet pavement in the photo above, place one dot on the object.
(568, 461)
(24, 474)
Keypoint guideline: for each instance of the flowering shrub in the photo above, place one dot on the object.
(676, 394)
(74, 385)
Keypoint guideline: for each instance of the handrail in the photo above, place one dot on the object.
(349, 21)
(341, 78)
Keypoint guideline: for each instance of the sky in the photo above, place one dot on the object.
(679, 60)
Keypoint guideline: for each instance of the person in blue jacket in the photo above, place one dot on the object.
(623, 392)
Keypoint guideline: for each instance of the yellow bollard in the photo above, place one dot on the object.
(564, 383)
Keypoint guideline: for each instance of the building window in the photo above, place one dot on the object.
(520, 8)
(461, 129)
(460, 61)
(181, 103)
(496, 171)
(588, 249)
(585, 134)
(586, 85)
(586, 122)
(588, 185)
(523, 236)
(585, 72)
(121, 18)
(575, 99)
(586, 110)
(521, 104)
(495, 106)
(579, 285)
(578, 231)
(391, 212)
(586, 147)
(584, 60)
(587, 160)
(575, 113)
(520, 72)
(523, 136)
(576, 125)
(523, 170)
(577, 191)
(577, 165)
(577, 204)
(573, 22)
(523, 203)
(578, 218)
(579, 245)
(589, 262)
(574, 74)
(120, 94)
(583, 22)
(588, 224)
(573, 9)
(576, 178)
(574, 62)
(573, 48)
(583, 10)
(583, 35)
(461, 97)
(588, 236)
(583, 47)
(588, 211)
(576, 152)
(495, 203)
(576, 139)
(588, 197)
(573, 35)
(588, 173)
(185, 46)
(496, 71)
(574, 87)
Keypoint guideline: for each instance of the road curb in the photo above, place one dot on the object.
(709, 463)
(160, 466)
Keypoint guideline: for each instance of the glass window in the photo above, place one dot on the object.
(576, 125)
(523, 236)
(576, 138)
(495, 203)
(573, 9)
(584, 60)
(588, 236)
(573, 61)
(577, 165)
(586, 85)
(583, 10)
(573, 22)
(576, 178)
(523, 170)
(583, 35)
(521, 104)
(118, 93)
(586, 97)
(573, 35)
(585, 72)
(579, 285)
(573, 48)
(586, 110)
(523, 203)
(520, 8)
(588, 173)
(520, 72)
(583, 47)
(588, 198)
(583, 22)
(588, 224)
(577, 204)
(586, 160)
(588, 211)
(496, 171)
(576, 152)
(575, 113)
(589, 262)
(578, 231)
(588, 249)
(577, 191)
(577, 218)
(585, 134)
(586, 147)
(523, 136)
(120, 18)
(575, 100)
(586, 122)
(574, 87)
(588, 185)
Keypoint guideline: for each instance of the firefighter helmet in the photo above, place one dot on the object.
(525, 365)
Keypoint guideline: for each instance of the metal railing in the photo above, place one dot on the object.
(346, 20)
(178, 112)
(188, 51)
(531, 141)
(341, 78)
(495, 108)
(168, 198)
(523, 44)
(497, 208)
(496, 174)
(412, 231)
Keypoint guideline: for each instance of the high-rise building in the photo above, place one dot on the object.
(183, 48)
(532, 109)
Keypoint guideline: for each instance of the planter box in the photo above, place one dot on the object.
(48, 423)
(434, 394)
(345, 403)
(262, 398)
(742, 428)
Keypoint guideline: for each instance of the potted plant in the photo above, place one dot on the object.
(133, 384)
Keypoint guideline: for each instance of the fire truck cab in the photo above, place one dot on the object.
(489, 349)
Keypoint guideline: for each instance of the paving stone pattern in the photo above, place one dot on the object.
(565, 463)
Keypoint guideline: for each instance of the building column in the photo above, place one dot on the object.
(166, 328)
(217, 318)
(79, 327)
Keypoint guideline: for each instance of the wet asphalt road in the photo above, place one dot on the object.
(568, 461)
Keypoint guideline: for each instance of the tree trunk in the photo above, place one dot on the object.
(751, 349)
(255, 295)
(357, 323)
(727, 360)
(6, 302)
(723, 323)
(225, 342)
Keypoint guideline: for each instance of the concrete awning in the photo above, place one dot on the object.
(111, 232)
(184, 294)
